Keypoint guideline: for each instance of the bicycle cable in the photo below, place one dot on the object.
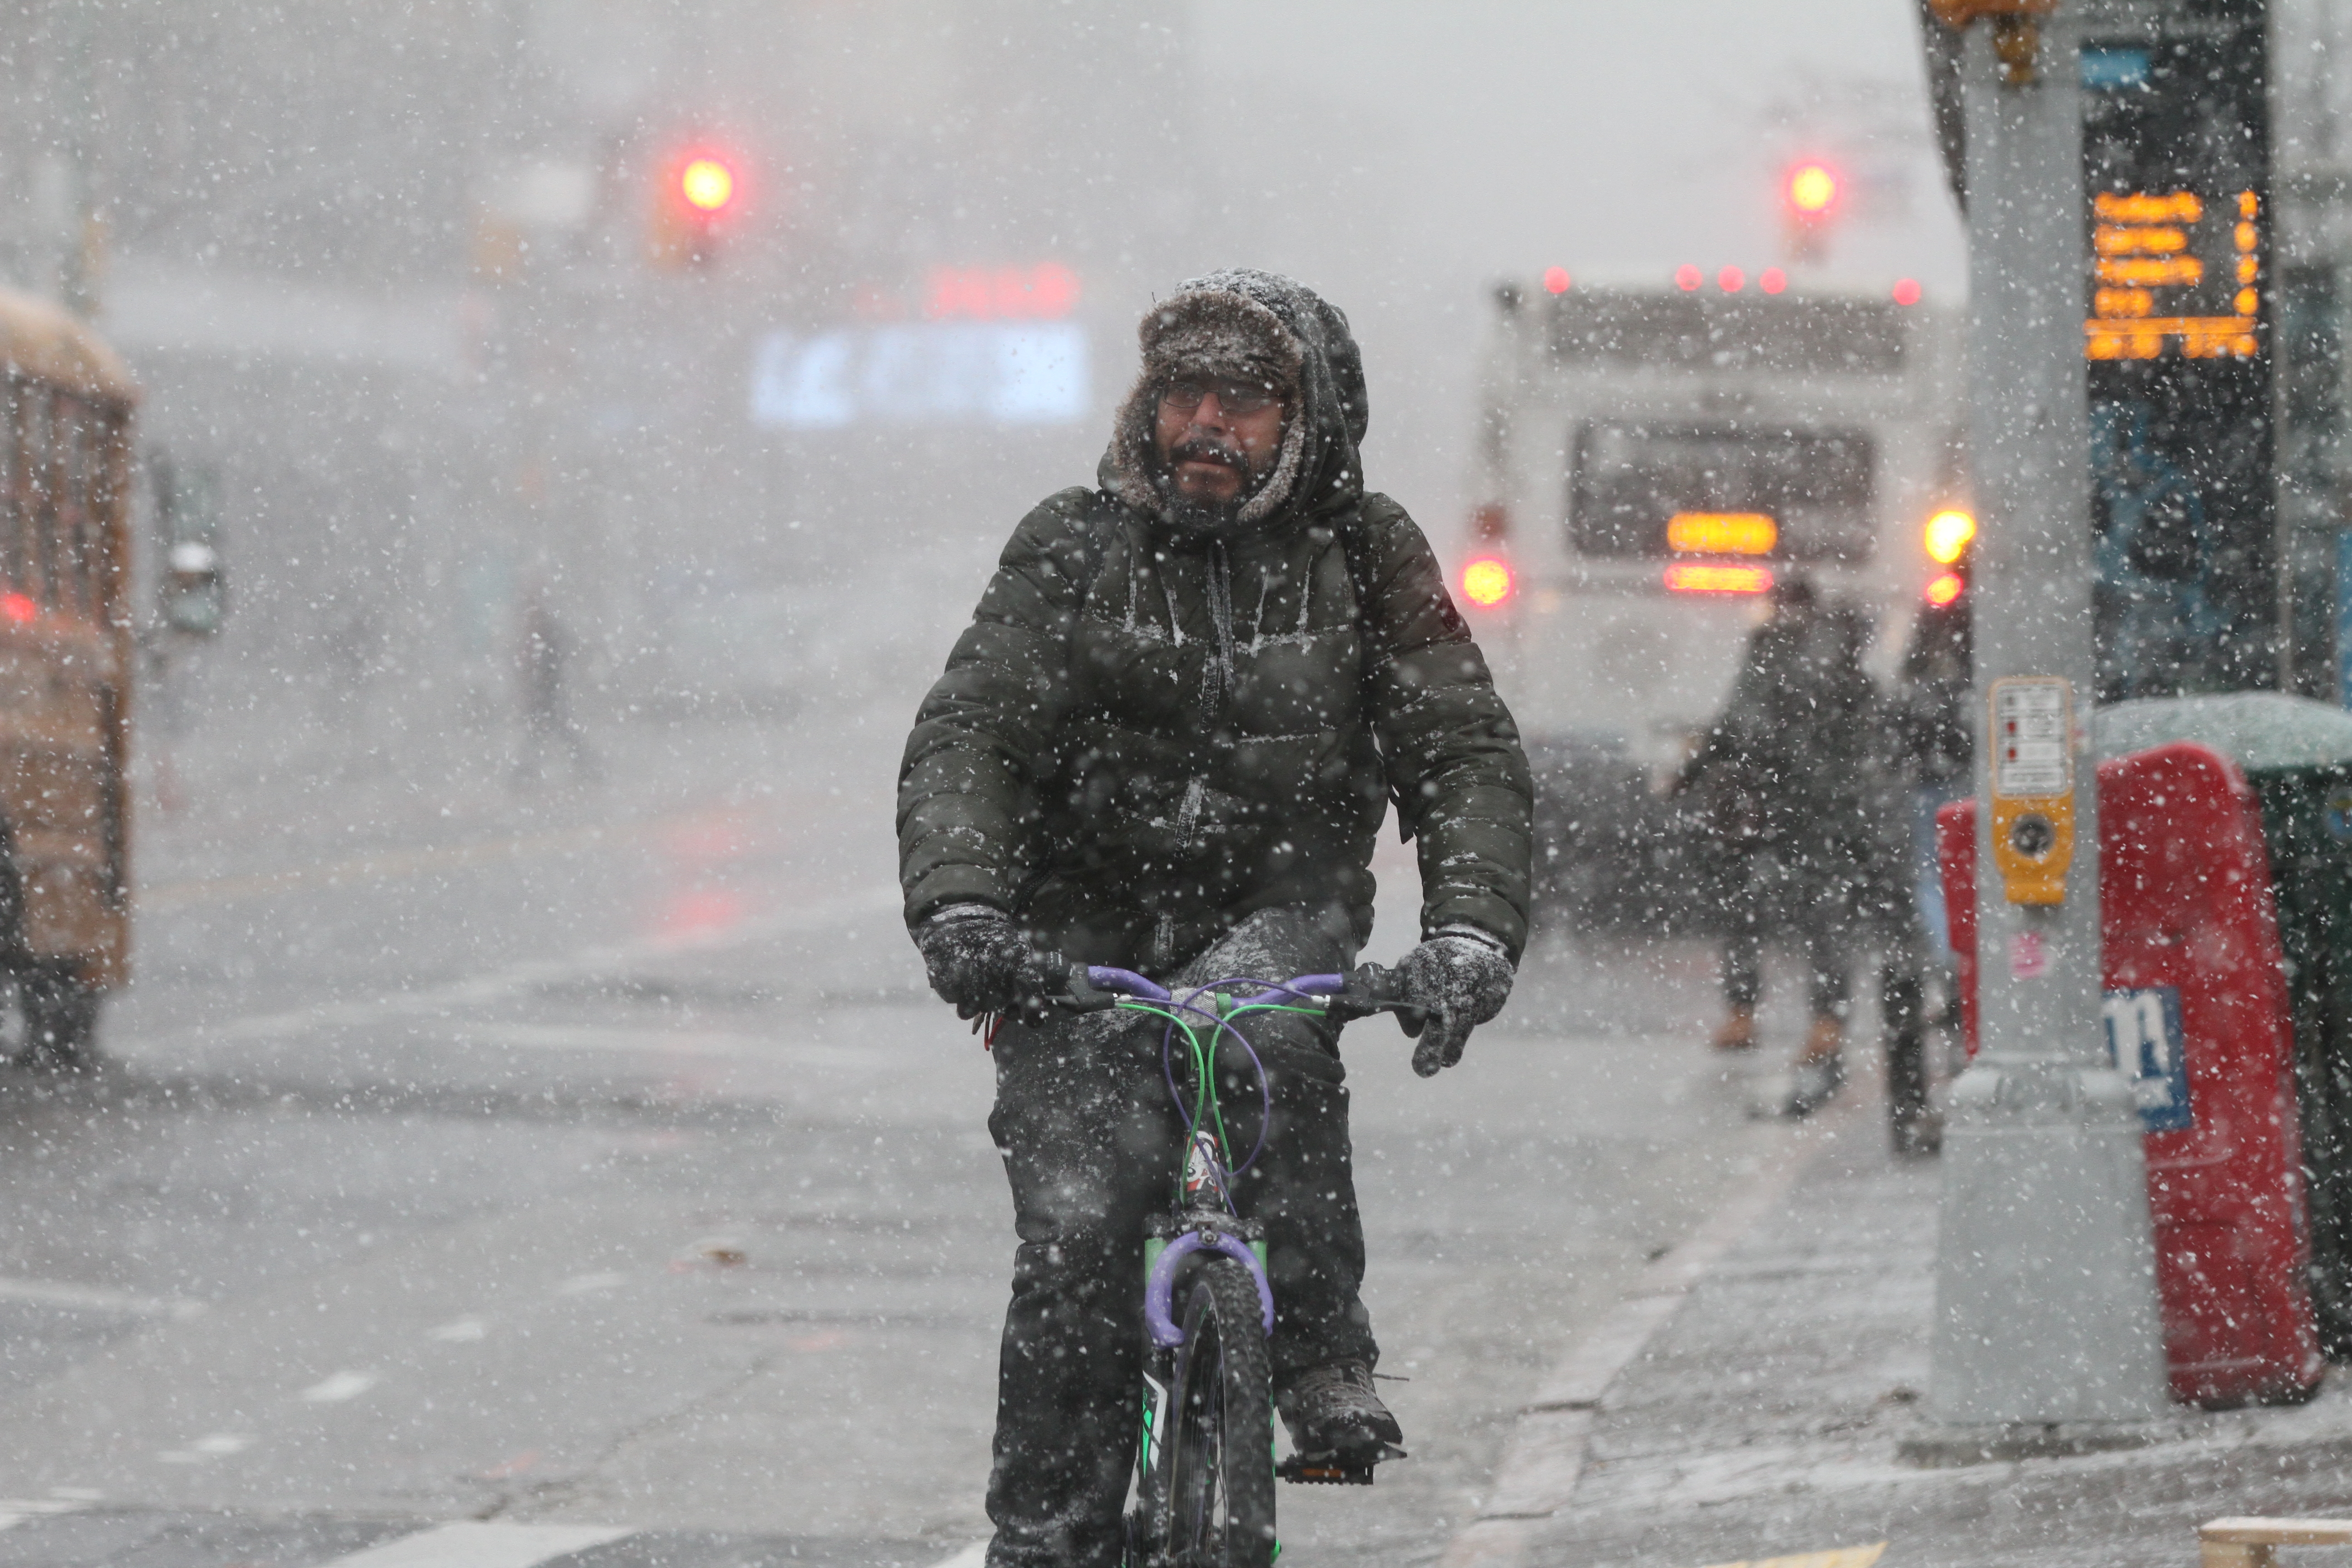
(1204, 1056)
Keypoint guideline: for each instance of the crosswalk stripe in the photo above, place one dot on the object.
(972, 1556)
(472, 1544)
(15, 1511)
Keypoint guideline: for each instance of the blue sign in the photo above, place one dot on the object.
(2107, 69)
(922, 373)
(2145, 1043)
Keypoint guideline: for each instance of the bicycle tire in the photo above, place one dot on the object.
(1217, 1502)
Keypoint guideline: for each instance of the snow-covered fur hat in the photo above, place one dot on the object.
(1210, 327)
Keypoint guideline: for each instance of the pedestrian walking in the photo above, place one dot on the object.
(1787, 781)
(542, 660)
(1932, 732)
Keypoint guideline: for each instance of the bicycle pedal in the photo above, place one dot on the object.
(1331, 1469)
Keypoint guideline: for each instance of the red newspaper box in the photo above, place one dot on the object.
(2197, 1015)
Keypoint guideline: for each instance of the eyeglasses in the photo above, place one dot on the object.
(1185, 392)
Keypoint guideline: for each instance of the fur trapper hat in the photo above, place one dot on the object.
(1211, 330)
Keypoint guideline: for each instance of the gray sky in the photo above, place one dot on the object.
(1440, 147)
(1617, 138)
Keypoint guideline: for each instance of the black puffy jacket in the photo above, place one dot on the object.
(1142, 738)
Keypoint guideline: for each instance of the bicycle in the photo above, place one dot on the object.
(1205, 1465)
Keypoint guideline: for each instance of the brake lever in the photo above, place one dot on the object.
(1079, 994)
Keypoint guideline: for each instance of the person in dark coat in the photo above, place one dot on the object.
(1934, 725)
(1167, 743)
(1933, 714)
(1787, 782)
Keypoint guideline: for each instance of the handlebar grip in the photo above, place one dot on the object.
(1123, 982)
(1371, 989)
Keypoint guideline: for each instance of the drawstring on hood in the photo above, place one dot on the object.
(1217, 675)
(1257, 326)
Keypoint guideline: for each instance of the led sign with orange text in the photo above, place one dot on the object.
(2172, 271)
(2179, 312)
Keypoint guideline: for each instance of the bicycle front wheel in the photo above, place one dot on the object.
(1217, 1506)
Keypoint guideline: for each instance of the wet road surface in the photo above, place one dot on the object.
(596, 1159)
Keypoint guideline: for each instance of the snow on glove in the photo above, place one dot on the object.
(977, 958)
(1461, 978)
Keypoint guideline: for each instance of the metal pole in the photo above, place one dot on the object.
(2046, 1282)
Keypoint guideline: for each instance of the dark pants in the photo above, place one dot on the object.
(1768, 898)
(1092, 1140)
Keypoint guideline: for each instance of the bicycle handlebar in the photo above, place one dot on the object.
(1366, 990)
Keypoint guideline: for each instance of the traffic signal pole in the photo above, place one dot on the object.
(2045, 1284)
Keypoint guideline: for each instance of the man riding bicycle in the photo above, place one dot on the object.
(1166, 742)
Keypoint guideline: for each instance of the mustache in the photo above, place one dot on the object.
(1201, 449)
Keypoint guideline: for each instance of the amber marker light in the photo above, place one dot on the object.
(1950, 534)
(1487, 581)
(1721, 533)
(1692, 577)
(1945, 589)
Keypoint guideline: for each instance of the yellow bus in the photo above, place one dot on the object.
(66, 663)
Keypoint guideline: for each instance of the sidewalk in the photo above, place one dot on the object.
(1762, 1414)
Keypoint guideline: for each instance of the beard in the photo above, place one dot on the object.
(1198, 514)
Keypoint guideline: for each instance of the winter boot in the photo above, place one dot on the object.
(1820, 1071)
(1338, 1427)
(1738, 1032)
(1918, 1135)
(1816, 1083)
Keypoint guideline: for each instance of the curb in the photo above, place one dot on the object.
(1544, 1456)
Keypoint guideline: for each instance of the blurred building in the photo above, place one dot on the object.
(406, 298)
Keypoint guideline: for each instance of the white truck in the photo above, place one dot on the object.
(1650, 463)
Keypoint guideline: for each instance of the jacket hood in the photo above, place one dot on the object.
(1242, 321)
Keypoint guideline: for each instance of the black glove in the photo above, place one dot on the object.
(1460, 978)
(978, 959)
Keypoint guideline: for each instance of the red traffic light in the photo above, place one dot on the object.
(1946, 588)
(702, 185)
(1813, 189)
(699, 199)
(706, 183)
